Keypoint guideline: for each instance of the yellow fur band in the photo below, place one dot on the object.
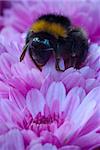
(53, 28)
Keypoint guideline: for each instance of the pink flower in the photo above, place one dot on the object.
(48, 109)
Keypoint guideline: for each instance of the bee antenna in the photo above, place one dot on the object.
(24, 52)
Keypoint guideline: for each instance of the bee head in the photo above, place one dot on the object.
(40, 47)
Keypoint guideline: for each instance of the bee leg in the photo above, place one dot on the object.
(78, 64)
(57, 61)
(74, 63)
(65, 63)
(57, 65)
(69, 63)
(24, 52)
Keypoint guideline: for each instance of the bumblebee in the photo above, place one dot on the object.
(54, 35)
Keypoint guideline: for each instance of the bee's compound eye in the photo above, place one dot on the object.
(36, 39)
(46, 42)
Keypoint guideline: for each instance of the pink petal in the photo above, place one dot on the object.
(21, 12)
(17, 98)
(45, 85)
(9, 36)
(28, 136)
(49, 147)
(55, 107)
(49, 69)
(94, 55)
(62, 132)
(91, 84)
(1, 21)
(35, 144)
(35, 102)
(56, 91)
(71, 80)
(5, 64)
(14, 49)
(67, 72)
(86, 109)
(32, 78)
(98, 76)
(12, 43)
(12, 140)
(3, 127)
(93, 59)
(70, 147)
(28, 61)
(19, 84)
(94, 95)
(48, 137)
(4, 90)
(92, 124)
(10, 113)
(97, 146)
(19, 70)
(87, 72)
(88, 140)
(5, 109)
(2, 48)
(73, 100)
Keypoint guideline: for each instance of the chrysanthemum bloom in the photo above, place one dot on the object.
(49, 109)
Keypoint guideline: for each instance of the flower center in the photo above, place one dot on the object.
(42, 122)
(40, 119)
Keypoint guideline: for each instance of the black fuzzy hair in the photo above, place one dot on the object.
(53, 18)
